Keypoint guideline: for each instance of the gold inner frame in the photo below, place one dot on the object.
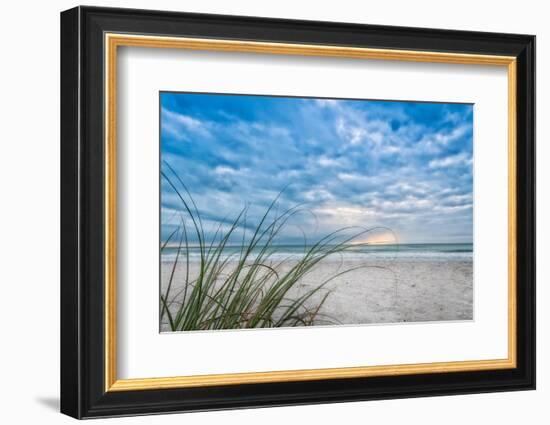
(113, 41)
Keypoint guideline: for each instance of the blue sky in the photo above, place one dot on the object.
(402, 165)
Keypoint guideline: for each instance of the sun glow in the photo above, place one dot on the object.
(384, 238)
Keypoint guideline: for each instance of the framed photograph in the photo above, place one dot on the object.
(261, 212)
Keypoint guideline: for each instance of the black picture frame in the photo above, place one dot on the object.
(83, 392)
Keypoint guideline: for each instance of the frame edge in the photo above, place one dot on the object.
(70, 349)
(80, 396)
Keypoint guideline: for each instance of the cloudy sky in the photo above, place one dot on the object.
(402, 165)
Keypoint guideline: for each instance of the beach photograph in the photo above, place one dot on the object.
(279, 211)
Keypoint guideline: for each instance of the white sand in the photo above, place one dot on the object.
(384, 291)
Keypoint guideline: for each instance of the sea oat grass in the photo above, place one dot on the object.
(250, 287)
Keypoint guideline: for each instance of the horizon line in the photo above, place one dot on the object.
(349, 244)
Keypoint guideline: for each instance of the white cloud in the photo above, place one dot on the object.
(350, 177)
(434, 143)
(403, 187)
(318, 194)
(358, 129)
(351, 133)
(391, 149)
(224, 170)
(455, 208)
(179, 125)
(457, 199)
(325, 161)
(327, 103)
(410, 203)
(336, 215)
(451, 161)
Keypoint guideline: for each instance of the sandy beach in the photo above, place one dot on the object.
(402, 290)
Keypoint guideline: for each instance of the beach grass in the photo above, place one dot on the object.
(247, 287)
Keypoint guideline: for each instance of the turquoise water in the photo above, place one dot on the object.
(409, 252)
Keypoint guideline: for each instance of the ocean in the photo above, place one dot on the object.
(381, 252)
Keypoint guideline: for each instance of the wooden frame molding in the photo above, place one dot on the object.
(114, 40)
